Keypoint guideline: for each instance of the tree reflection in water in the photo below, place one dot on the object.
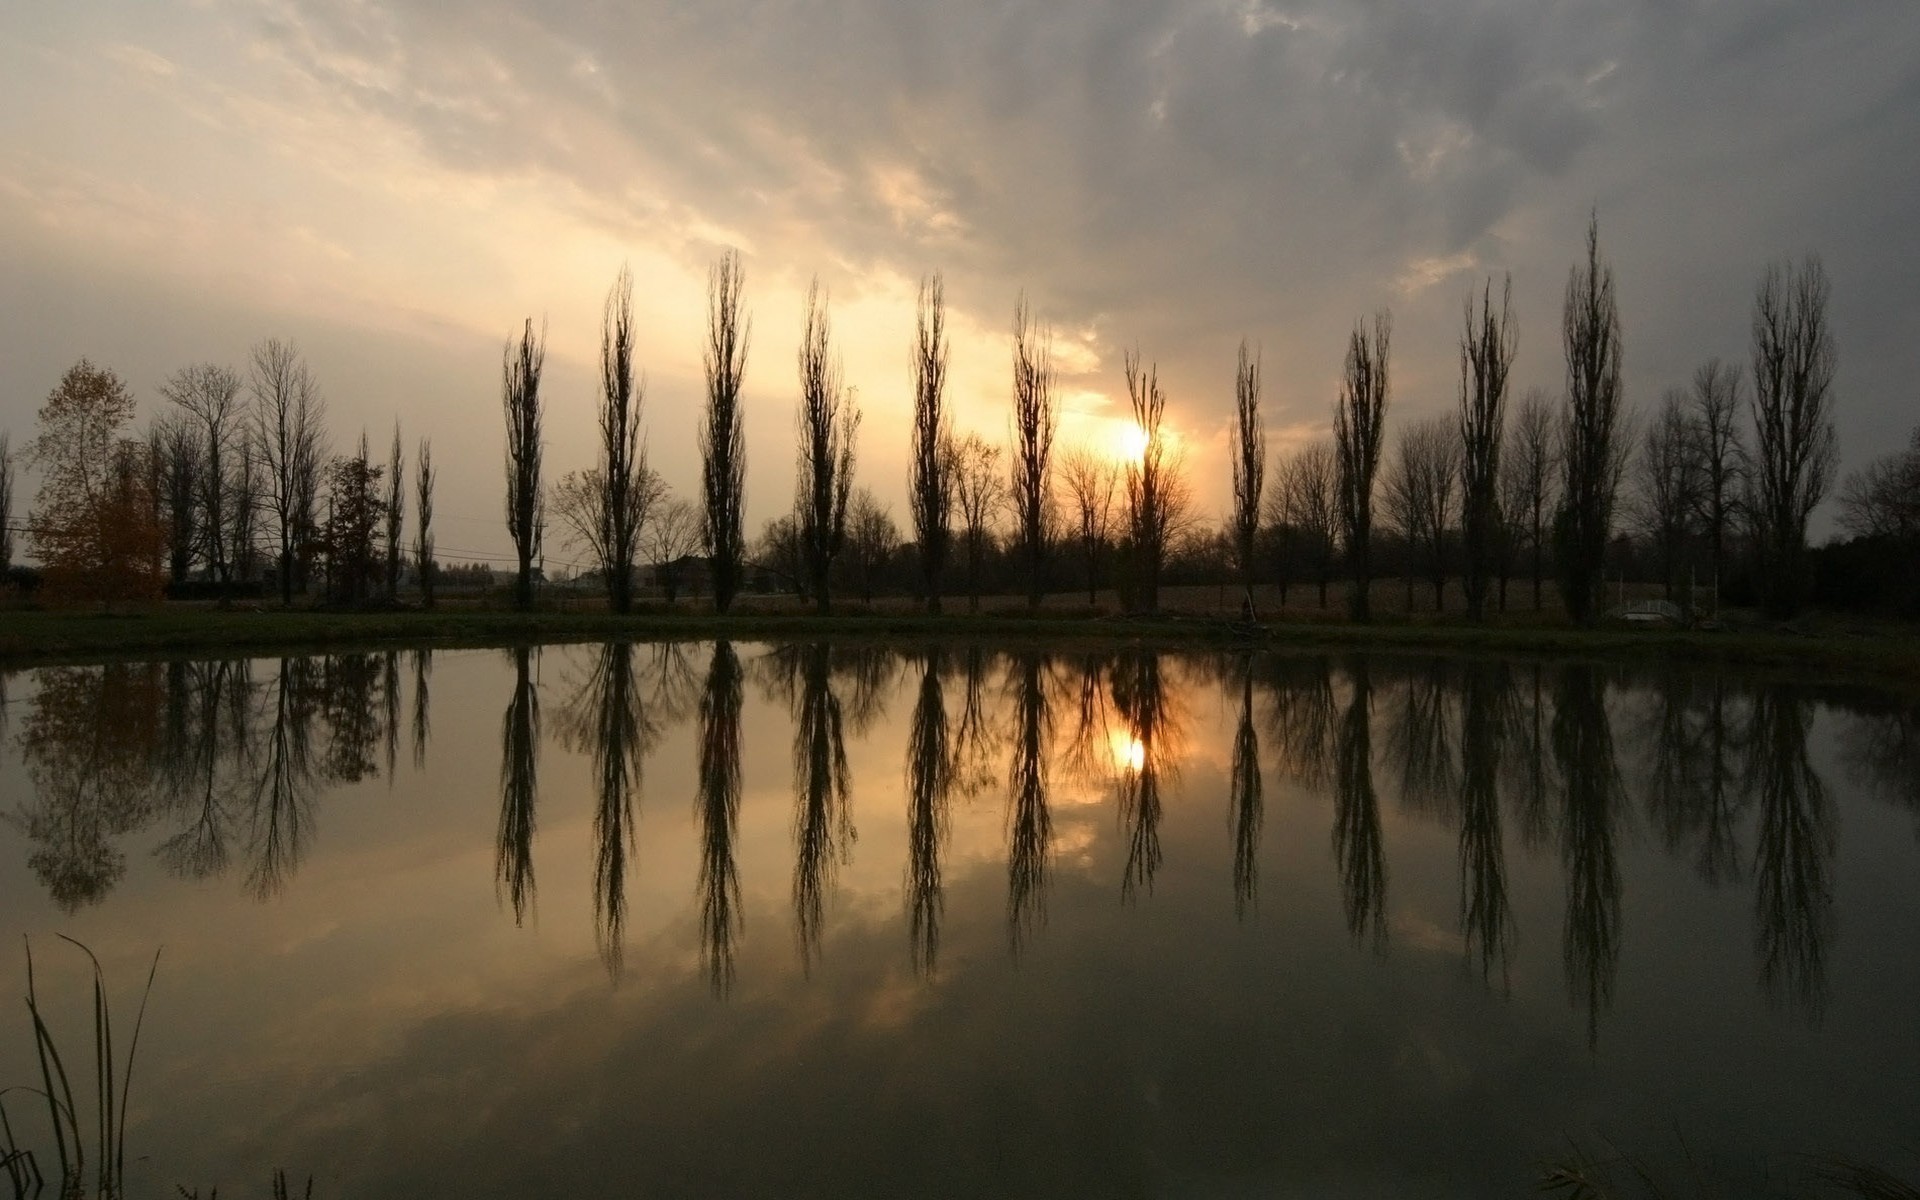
(519, 788)
(1486, 921)
(1583, 751)
(929, 781)
(226, 760)
(1140, 696)
(823, 816)
(1793, 854)
(719, 812)
(281, 810)
(1029, 821)
(608, 719)
(422, 690)
(1357, 844)
(1245, 800)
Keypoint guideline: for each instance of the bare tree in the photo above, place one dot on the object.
(1669, 485)
(1157, 497)
(1719, 392)
(177, 454)
(1249, 465)
(579, 503)
(620, 506)
(1795, 450)
(1487, 347)
(1359, 418)
(1034, 423)
(208, 396)
(1312, 506)
(396, 513)
(1591, 435)
(1534, 464)
(723, 441)
(671, 533)
(829, 419)
(520, 367)
(1090, 480)
(1882, 499)
(423, 510)
(243, 540)
(930, 470)
(289, 423)
(979, 492)
(1420, 496)
(6, 501)
(872, 537)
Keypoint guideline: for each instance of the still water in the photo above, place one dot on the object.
(839, 920)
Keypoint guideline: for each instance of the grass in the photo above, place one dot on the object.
(1819, 647)
(21, 1166)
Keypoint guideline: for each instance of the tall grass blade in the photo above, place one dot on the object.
(72, 1159)
(126, 1079)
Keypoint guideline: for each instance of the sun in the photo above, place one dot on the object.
(1129, 752)
(1129, 442)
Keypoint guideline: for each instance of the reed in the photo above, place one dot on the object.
(112, 1085)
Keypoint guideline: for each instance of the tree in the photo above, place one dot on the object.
(723, 443)
(1795, 450)
(1310, 505)
(423, 514)
(1035, 420)
(978, 490)
(243, 538)
(6, 502)
(395, 514)
(175, 452)
(579, 501)
(1591, 437)
(289, 424)
(778, 551)
(1669, 486)
(872, 537)
(1249, 465)
(1419, 494)
(930, 467)
(1882, 499)
(1487, 347)
(1718, 392)
(93, 527)
(520, 368)
(355, 515)
(208, 397)
(618, 508)
(1359, 418)
(671, 534)
(1534, 465)
(829, 419)
(1090, 480)
(1156, 493)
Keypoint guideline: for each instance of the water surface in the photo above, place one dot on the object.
(835, 920)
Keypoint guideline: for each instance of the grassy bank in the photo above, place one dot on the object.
(1815, 649)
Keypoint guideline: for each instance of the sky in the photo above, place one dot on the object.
(395, 185)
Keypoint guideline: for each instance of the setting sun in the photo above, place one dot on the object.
(1129, 442)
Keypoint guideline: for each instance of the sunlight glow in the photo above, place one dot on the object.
(1129, 752)
(1129, 442)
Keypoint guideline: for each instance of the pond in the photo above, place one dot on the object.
(837, 919)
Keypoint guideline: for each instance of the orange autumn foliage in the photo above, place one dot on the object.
(95, 526)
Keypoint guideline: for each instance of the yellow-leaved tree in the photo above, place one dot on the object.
(95, 527)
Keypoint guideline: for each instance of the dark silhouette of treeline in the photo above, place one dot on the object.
(226, 762)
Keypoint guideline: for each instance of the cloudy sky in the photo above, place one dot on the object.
(396, 184)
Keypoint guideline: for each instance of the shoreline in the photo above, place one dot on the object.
(1888, 654)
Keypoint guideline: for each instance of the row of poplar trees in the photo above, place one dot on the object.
(1792, 459)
